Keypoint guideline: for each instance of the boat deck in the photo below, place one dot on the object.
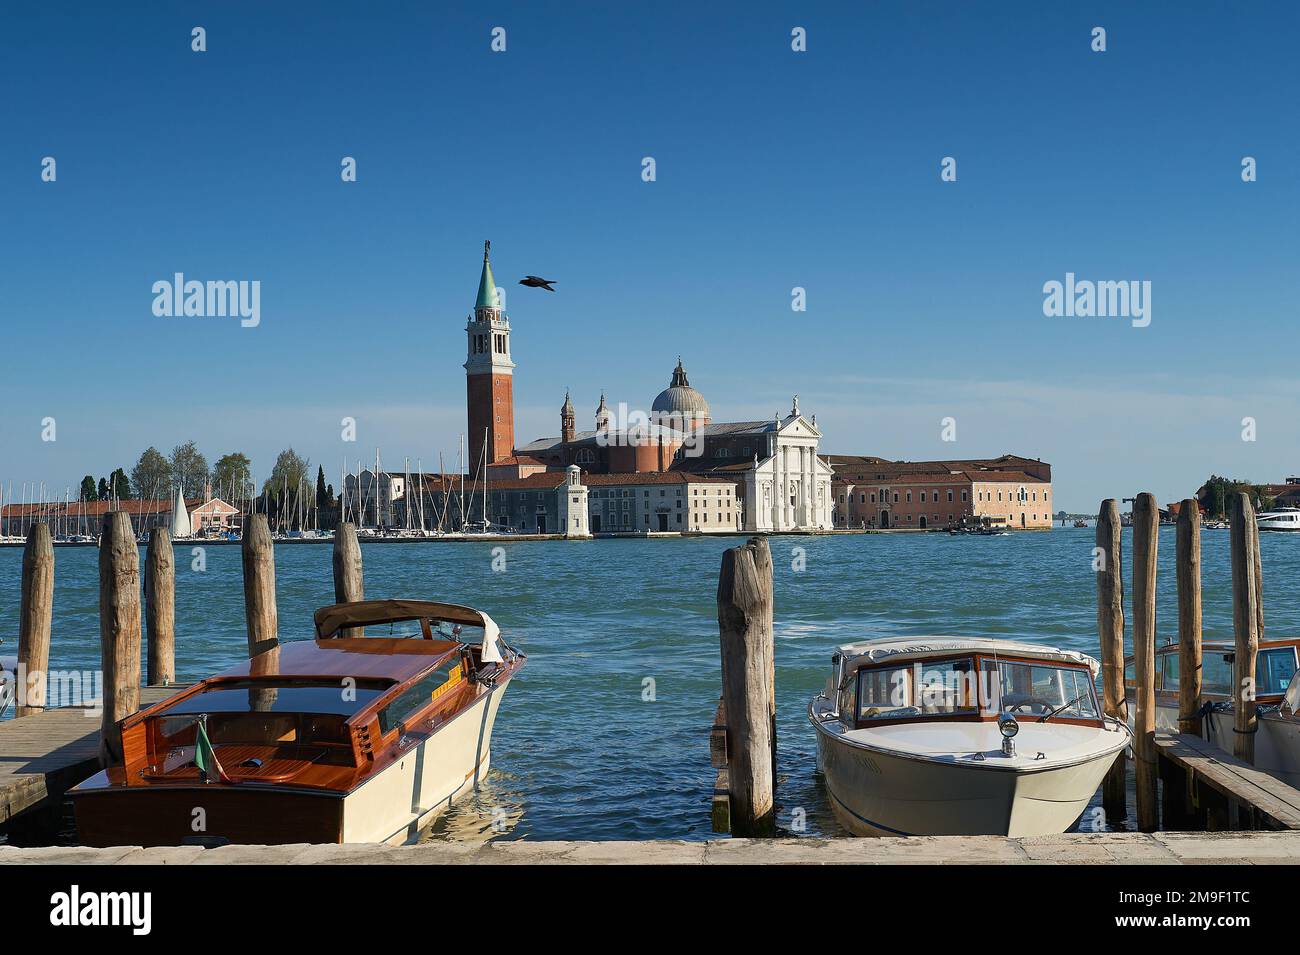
(44, 755)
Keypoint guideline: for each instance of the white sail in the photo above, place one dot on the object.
(180, 518)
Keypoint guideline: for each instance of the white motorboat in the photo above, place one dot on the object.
(1277, 696)
(962, 736)
(1279, 519)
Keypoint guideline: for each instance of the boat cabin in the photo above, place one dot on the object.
(953, 678)
(1275, 666)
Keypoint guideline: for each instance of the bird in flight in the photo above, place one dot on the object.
(532, 281)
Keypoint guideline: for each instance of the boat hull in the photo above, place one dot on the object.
(394, 805)
(877, 793)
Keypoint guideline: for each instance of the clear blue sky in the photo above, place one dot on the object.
(775, 170)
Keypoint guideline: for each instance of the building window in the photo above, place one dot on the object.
(949, 495)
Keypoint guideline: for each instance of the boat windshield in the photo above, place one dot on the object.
(929, 688)
(1039, 689)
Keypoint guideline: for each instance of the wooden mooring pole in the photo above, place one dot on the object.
(1110, 628)
(160, 608)
(748, 692)
(257, 551)
(1245, 623)
(1146, 530)
(349, 580)
(1188, 567)
(34, 616)
(119, 629)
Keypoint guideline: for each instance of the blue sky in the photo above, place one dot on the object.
(775, 169)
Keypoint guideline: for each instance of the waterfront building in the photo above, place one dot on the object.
(207, 517)
(581, 505)
(1007, 491)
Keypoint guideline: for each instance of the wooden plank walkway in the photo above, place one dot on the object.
(1268, 802)
(44, 755)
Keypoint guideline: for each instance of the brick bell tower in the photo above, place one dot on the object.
(489, 376)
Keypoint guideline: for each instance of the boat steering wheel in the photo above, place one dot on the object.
(1031, 701)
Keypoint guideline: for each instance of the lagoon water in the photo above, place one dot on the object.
(586, 746)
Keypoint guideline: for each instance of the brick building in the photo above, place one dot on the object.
(1008, 491)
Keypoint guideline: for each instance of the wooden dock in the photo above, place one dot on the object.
(1206, 788)
(45, 754)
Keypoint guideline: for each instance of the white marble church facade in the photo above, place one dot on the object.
(790, 488)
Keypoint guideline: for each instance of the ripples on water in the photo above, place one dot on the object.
(577, 753)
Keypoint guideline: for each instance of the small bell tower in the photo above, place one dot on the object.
(489, 375)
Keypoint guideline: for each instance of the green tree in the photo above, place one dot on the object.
(232, 475)
(120, 485)
(322, 493)
(102, 491)
(88, 492)
(189, 469)
(152, 475)
(289, 472)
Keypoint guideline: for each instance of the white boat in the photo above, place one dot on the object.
(962, 736)
(1277, 696)
(1279, 519)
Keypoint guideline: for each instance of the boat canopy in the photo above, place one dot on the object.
(917, 648)
(362, 613)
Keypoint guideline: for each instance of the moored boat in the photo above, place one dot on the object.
(1277, 695)
(1279, 519)
(364, 734)
(962, 736)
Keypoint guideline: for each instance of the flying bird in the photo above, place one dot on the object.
(532, 281)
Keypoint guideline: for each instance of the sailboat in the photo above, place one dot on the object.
(181, 527)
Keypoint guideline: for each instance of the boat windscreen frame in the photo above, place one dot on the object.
(984, 711)
(332, 619)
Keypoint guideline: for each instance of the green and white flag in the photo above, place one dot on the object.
(205, 757)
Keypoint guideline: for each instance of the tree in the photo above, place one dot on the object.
(120, 485)
(232, 475)
(189, 469)
(289, 473)
(322, 494)
(152, 475)
(88, 492)
(102, 491)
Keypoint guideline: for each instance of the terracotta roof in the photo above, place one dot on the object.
(87, 508)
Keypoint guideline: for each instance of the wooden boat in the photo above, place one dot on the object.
(364, 734)
(962, 736)
(1277, 695)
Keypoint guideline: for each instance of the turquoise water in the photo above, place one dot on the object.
(578, 752)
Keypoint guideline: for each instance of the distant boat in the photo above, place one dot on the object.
(1080, 523)
(1280, 519)
(181, 527)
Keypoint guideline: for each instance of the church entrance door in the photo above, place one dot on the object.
(884, 519)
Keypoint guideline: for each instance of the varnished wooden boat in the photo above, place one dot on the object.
(364, 734)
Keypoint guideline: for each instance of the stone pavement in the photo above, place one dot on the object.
(1161, 848)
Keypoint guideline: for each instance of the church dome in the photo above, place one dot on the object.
(680, 399)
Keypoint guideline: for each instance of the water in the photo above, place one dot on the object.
(578, 753)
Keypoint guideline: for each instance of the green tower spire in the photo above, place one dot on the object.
(487, 286)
